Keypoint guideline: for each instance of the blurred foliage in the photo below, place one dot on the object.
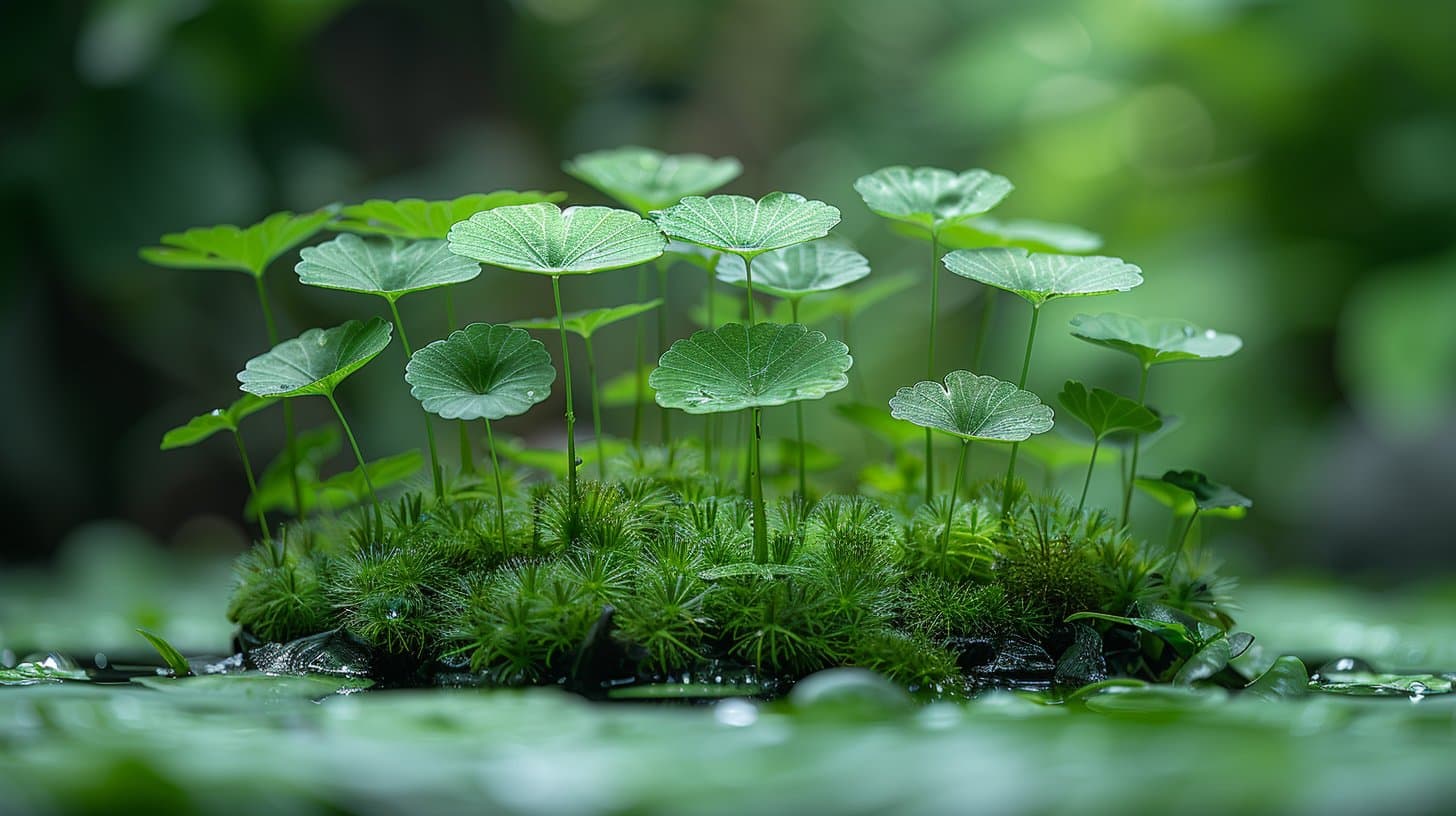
(1279, 170)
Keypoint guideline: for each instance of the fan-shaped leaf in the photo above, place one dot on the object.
(799, 270)
(646, 179)
(1155, 341)
(316, 361)
(388, 267)
(746, 227)
(586, 323)
(1036, 236)
(417, 219)
(205, 425)
(482, 371)
(1167, 423)
(249, 249)
(1105, 412)
(713, 371)
(973, 407)
(1207, 494)
(1040, 277)
(546, 240)
(930, 197)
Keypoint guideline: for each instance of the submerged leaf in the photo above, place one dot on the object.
(732, 368)
(1207, 494)
(249, 249)
(586, 323)
(418, 219)
(205, 425)
(646, 179)
(930, 197)
(482, 371)
(316, 361)
(1039, 277)
(1105, 412)
(1154, 341)
(389, 267)
(799, 270)
(746, 227)
(546, 240)
(973, 407)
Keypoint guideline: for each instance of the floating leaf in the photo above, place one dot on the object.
(1040, 277)
(1286, 678)
(1378, 684)
(646, 179)
(389, 267)
(969, 406)
(1154, 342)
(482, 371)
(316, 361)
(173, 658)
(217, 420)
(746, 227)
(417, 219)
(732, 368)
(248, 250)
(1036, 236)
(799, 270)
(586, 323)
(546, 240)
(1105, 412)
(1207, 494)
(930, 197)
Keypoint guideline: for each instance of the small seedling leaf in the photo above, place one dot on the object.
(388, 267)
(348, 488)
(1104, 412)
(1039, 277)
(799, 270)
(1154, 341)
(976, 407)
(729, 369)
(745, 227)
(546, 240)
(316, 361)
(482, 371)
(1181, 501)
(1207, 494)
(242, 249)
(417, 219)
(646, 179)
(930, 197)
(585, 324)
(173, 658)
(1209, 660)
(203, 426)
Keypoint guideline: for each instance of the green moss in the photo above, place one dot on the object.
(279, 595)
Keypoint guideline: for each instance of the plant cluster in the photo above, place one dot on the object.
(673, 562)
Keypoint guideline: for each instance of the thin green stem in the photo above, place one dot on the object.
(665, 414)
(500, 495)
(1183, 540)
(435, 471)
(358, 457)
(760, 519)
(252, 482)
(930, 357)
(708, 424)
(755, 463)
(1136, 446)
(570, 409)
(748, 277)
(955, 493)
(467, 451)
(596, 406)
(289, 434)
(1087, 482)
(1020, 383)
(639, 388)
(799, 416)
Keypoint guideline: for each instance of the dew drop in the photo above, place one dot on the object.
(322, 341)
(530, 392)
(1210, 334)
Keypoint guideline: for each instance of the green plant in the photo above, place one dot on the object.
(1104, 413)
(204, 426)
(1038, 278)
(543, 239)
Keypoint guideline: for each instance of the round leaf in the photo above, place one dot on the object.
(746, 227)
(728, 369)
(316, 361)
(585, 324)
(1105, 412)
(930, 197)
(973, 407)
(1156, 341)
(390, 268)
(546, 240)
(482, 371)
(799, 270)
(417, 219)
(205, 425)
(1040, 277)
(1207, 494)
(646, 179)
(249, 249)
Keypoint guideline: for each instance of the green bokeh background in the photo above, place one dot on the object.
(1281, 170)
